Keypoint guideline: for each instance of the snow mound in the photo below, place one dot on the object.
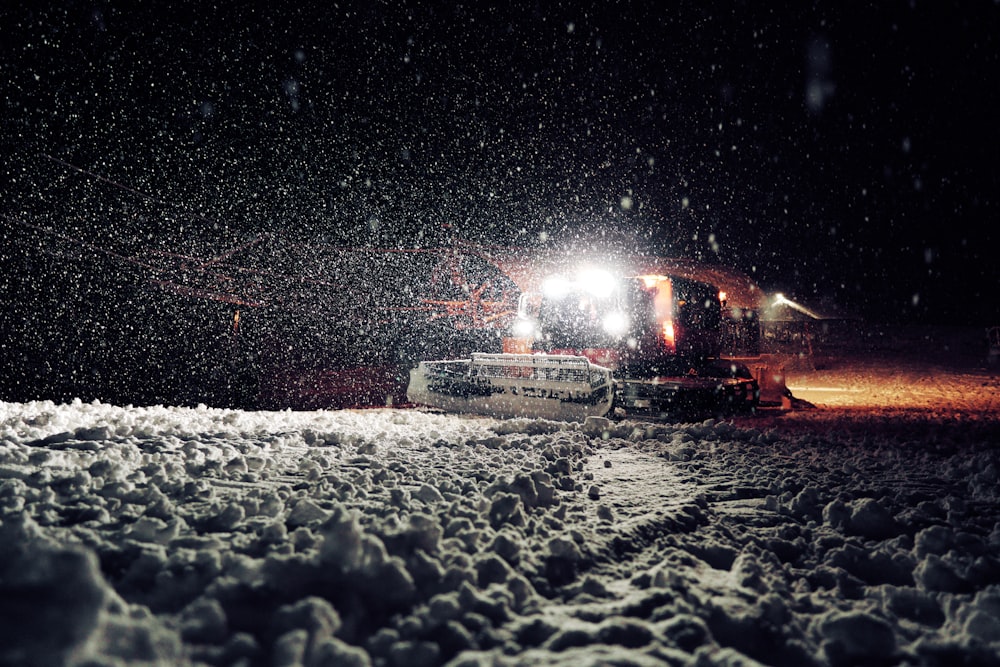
(388, 537)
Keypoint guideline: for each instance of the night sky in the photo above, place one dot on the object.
(842, 152)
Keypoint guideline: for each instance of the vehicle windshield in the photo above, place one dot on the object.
(577, 320)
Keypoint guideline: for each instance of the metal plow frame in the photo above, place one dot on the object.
(568, 388)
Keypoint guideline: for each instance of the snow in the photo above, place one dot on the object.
(863, 531)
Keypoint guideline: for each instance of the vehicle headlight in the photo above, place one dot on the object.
(523, 328)
(556, 287)
(615, 324)
(598, 282)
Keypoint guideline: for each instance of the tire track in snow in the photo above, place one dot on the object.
(642, 497)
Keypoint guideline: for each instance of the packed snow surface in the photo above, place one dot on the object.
(865, 530)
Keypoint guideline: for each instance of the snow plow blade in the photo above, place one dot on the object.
(566, 388)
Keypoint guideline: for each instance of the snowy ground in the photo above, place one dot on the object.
(864, 531)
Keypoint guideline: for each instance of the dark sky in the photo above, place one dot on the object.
(843, 150)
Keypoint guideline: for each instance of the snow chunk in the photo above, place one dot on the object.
(565, 548)
(934, 573)
(429, 494)
(306, 512)
(597, 427)
(854, 637)
(204, 622)
(933, 540)
(312, 615)
(66, 593)
(530, 426)
(342, 541)
(870, 519)
(333, 652)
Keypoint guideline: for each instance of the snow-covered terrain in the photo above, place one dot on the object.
(864, 531)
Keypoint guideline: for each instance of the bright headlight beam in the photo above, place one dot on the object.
(556, 287)
(524, 328)
(597, 282)
(615, 324)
